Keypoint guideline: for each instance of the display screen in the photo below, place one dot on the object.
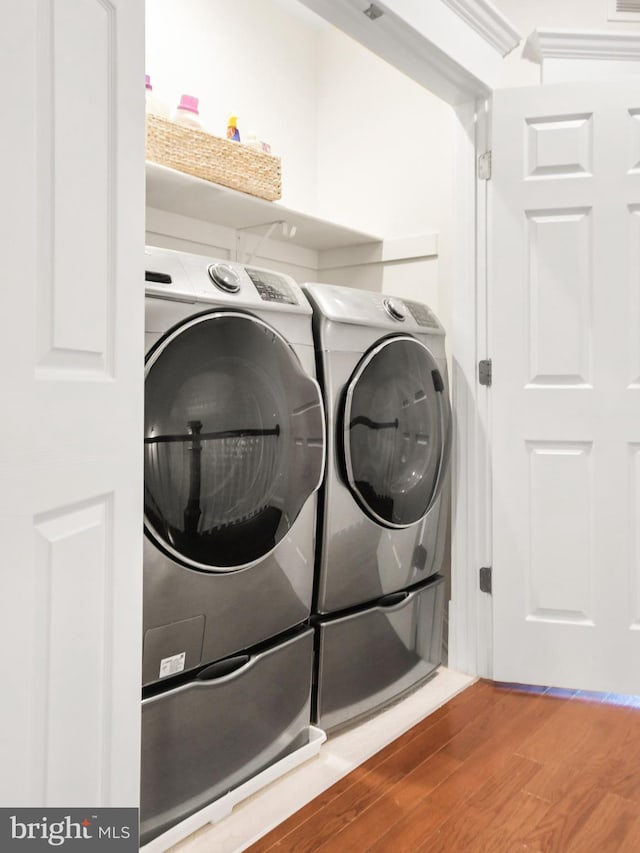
(422, 315)
(272, 287)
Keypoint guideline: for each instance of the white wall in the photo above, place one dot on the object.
(384, 143)
(551, 14)
(385, 163)
(247, 56)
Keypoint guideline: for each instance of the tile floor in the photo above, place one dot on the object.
(340, 754)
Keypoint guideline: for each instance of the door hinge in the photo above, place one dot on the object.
(485, 579)
(485, 372)
(484, 166)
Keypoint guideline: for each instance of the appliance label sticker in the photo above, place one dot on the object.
(169, 666)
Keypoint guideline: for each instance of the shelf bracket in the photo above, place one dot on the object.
(288, 231)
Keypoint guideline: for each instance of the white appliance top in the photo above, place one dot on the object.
(194, 278)
(376, 310)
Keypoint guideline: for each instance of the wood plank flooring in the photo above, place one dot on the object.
(495, 769)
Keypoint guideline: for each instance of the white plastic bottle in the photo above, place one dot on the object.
(252, 140)
(187, 111)
(154, 105)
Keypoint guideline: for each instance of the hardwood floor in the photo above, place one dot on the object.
(495, 769)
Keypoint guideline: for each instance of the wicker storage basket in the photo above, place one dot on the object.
(221, 161)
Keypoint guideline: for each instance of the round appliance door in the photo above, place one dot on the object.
(234, 440)
(396, 432)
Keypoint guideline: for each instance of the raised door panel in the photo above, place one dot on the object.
(560, 552)
(560, 298)
(73, 350)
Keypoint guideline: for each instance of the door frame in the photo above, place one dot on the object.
(470, 610)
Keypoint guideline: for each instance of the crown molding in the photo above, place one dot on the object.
(565, 44)
(488, 22)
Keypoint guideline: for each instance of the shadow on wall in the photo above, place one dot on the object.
(364, 277)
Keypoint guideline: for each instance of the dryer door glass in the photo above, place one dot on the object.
(234, 440)
(396, 432)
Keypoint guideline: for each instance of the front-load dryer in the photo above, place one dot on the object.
(384, 512)
(234, 451)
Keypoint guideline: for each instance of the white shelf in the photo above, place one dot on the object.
(176, 192)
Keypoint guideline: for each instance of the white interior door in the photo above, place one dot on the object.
(71, 355)
(565, 342)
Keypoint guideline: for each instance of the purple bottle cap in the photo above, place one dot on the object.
(147, 82)
(189, 103)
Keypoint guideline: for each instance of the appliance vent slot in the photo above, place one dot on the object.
(623, 10)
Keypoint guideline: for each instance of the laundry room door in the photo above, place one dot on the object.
(564, 331)
(71, 356)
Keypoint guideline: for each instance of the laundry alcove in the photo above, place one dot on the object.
(75, 471)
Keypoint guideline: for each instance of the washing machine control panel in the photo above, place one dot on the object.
(271, 286)
(224, 277)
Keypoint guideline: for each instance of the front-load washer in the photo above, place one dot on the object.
(234, 449)
(384, 511)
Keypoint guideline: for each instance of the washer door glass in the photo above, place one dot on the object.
(234, 440)
(396, 432)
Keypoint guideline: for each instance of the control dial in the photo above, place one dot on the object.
(395, 309)
(224, 277)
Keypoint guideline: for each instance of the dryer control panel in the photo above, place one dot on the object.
(350, 306)
(422, 314)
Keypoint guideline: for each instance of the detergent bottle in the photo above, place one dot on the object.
(232, 128)
(153, 104)
(187, 112)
